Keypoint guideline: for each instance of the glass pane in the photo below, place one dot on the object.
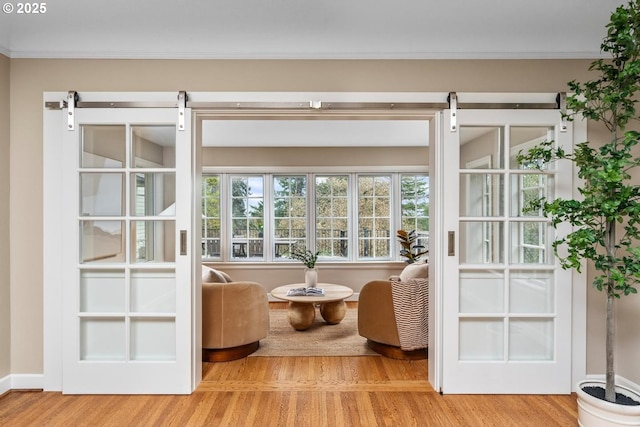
(482, 291)
(103, 146)
(153, 339)
(340, 186)
(102, 241)
(481, 242)
(102, 291)
(239, 249)
(102, 339)
(365, 186)
(481, 147)
(340, 207)
(481, 339)
(153, 146)
(153, 241)
(211, 248)
(255, 186)
(524, 138)
(240, 228)
(255, 248)
(481, 194)
(530, 243)
(526, 188)
(531, 292)
(153, 291)
(283, 248)
(101, 194)
(153, 194)
(531, 339)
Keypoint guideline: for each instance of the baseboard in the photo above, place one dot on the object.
(21, 382)
(5, 384)
(619, 381)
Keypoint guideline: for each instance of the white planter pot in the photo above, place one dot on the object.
(311, 277)
(594, 412)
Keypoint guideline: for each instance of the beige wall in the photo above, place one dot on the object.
(5, 330)
(30, 78)
(330, 156)
(351, 275)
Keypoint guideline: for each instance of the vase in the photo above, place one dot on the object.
(594, 412)
(310, 277)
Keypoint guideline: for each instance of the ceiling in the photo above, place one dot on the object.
(304, 29)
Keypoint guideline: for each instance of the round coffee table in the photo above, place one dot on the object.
(302, 309)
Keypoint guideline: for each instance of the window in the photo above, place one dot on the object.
(211, 216)
(374, 217)
(247, 216)
(344, 216)
(289, 213)
(332, 216)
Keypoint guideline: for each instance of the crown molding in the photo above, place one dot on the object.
(300, 55)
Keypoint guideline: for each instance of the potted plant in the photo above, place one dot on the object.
(410, 249)
(309, 259)
(606, 219)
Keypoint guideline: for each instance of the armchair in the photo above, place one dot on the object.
(235, 317)
(396, 329)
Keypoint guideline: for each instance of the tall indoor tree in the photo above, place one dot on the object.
(606, 218)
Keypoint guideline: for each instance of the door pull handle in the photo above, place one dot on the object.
(183, 242)
(452, 243)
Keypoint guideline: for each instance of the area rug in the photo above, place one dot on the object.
(321, 339)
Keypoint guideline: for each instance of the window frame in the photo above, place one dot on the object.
(269, 255)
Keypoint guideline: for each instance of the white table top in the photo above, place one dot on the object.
(332, 293)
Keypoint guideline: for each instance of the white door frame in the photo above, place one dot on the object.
(201, 101)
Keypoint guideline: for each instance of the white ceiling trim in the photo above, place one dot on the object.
(300, 55)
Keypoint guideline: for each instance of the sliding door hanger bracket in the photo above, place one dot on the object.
(182, 105)
(71, 101)
(453, 108)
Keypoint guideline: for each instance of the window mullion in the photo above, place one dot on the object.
(395, 210)
(311, 211)
(226, 225)
(268, 215)
(354, 232)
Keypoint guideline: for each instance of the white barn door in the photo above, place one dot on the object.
(127, 282)
(506, 317)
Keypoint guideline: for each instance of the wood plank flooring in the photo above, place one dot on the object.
(297, 392)
(366, 391)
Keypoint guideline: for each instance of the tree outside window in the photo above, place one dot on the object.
(415, 205)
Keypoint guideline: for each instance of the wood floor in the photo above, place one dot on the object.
(362, 391)
(297, 392)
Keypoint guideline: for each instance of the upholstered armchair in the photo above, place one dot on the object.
(235, 317)
(398, 330)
